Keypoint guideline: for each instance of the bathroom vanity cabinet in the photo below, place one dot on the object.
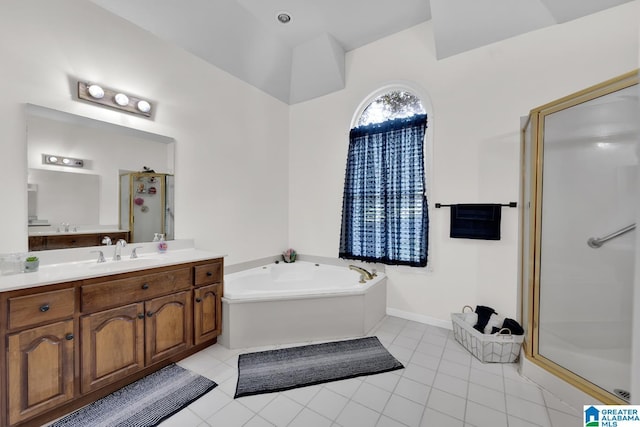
(207, 302)
(72, 240)
(68, 344)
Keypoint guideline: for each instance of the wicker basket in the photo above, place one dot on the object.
(498, 347)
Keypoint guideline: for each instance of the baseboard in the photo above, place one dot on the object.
(419, 318)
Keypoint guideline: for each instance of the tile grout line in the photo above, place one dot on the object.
(426, 404)
(466, 400)
(396, 385)
(504, 393)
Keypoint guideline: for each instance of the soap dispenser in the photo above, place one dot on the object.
(162, 244)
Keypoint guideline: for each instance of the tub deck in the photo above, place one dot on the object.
(256, 320)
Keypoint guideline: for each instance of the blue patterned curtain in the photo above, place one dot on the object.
(384, 207)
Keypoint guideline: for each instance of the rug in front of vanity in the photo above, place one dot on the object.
(144, 403)
(287, 368)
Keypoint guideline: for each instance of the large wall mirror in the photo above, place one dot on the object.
(82, 194)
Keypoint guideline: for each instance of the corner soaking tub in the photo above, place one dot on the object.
(299, 302)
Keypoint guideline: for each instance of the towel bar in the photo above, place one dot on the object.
(596, 242)
(510, 204)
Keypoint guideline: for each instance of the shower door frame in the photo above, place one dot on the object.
(531, 238)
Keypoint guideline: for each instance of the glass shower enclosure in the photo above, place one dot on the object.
(146, 205)
(579, 188)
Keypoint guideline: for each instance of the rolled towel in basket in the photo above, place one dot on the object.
(512, 325)
(495, 321)
(470, 318)
(484, 314)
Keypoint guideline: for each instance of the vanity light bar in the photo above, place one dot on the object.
(104, 96)
(52, 159)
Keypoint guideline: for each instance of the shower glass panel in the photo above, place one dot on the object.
(146, 205)
(585, 190)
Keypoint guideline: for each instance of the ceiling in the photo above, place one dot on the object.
(304, 58)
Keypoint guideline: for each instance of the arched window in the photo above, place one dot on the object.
(384, 210)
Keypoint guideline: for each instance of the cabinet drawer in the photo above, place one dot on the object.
(72, 241)
(208, 273)
(42, 307)
(133, 289)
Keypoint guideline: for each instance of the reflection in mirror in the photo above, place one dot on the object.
(146, 205)
(67, 200)
(51, 202)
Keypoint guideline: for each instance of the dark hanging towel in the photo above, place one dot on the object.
(475, 221)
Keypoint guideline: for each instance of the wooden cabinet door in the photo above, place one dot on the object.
(207, 312)
(40, 369)
(112, 345)
(168, 326)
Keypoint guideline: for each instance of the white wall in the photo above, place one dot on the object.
(231, 139)
(64, 197)
(478, 98)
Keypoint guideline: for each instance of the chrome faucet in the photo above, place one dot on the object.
(121, 243)
(106, 240)
(100, 256)
(364, 274)
(134, 254)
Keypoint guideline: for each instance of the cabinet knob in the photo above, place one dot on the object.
(209, 274)
(149, 313)
(140, 315)
(145, 286)
(69, 337)
(44, 308)
(198, 299)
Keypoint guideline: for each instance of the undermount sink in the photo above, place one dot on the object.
(124, 263)
(109, 265)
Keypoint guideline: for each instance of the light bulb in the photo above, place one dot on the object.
(96, 91)
(121, 99)
(144, 106)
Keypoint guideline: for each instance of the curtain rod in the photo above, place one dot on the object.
(510, 204)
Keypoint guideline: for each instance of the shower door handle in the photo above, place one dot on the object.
(596, 242)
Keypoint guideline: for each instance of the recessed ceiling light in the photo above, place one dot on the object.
(284, 18)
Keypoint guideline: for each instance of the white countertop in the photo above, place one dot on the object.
(65, 265)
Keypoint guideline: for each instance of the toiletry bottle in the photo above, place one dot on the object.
(162, 244)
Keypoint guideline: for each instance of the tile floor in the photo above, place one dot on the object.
(442, 385)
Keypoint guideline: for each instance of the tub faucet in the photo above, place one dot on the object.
(365, 275)
(119, 245)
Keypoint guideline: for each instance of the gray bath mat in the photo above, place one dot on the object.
(144, 403)
(287, 368)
